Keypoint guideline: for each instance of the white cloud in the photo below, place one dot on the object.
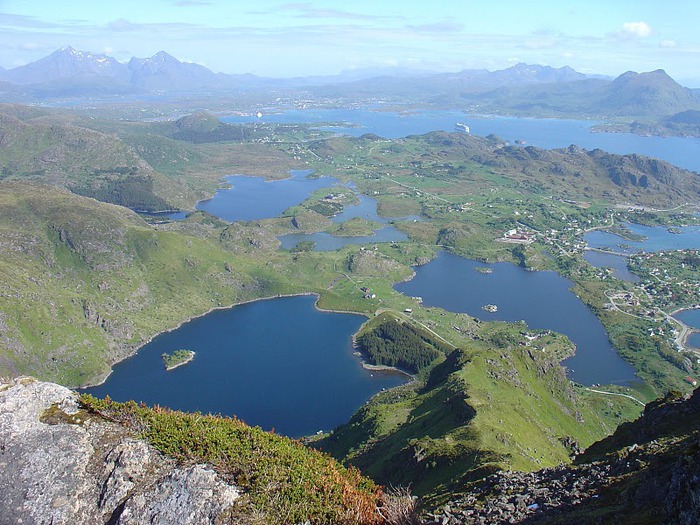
(636, 29)
(631, 32)
(667, 44)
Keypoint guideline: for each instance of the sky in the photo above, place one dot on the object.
(276, 38)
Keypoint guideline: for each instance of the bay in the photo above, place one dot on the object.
(656, 238)
(253, 198)
(543, 133)
(542, 299)
(694, 340)
(691, 318)
(618, 264)
(279, 364)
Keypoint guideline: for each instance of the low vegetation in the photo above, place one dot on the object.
(481, 410)
(177, 358)
(283, 481)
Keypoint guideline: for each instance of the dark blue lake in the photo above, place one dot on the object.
(542, 299)
(543, 133)
(279, 364)
(657, 238)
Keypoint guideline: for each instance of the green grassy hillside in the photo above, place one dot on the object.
(85, 283)
(493, 405)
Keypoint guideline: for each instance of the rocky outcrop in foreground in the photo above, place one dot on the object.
(60, 465)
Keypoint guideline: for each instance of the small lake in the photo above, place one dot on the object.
(657, 238)
(542, 133)
(618, 264)
(365, 209)
(253, 198)
(542, 299)
(692, 319)
(297, 378)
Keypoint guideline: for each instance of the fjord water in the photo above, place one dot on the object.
(278, 364)
(656, 238)
(542, 299)
(543, 133)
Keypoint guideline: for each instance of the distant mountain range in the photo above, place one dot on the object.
(69, 68)
(521, 89)
(651, 95)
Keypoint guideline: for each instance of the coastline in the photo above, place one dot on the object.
(379, 368)
(686, 330)
(228, 185)
(133, 350)
(181, 363)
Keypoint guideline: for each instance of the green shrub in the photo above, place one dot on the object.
(284, 481)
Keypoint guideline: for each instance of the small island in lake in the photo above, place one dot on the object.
(177, 358)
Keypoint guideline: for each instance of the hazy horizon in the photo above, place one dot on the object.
(325, 37)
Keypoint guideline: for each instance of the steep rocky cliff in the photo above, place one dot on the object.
(60, 465)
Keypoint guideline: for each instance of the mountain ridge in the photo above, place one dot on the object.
(532, 90)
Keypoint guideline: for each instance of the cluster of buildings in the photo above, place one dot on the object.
(518, 237)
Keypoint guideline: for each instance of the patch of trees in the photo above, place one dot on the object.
(402, 345)
(132, 192)
(326, 208)
(692, 259)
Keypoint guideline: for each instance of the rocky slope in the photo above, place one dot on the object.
(66, 459)
(61, 462)
(59, 466)
(647, 472)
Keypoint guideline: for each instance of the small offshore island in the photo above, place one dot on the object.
(177, 358)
